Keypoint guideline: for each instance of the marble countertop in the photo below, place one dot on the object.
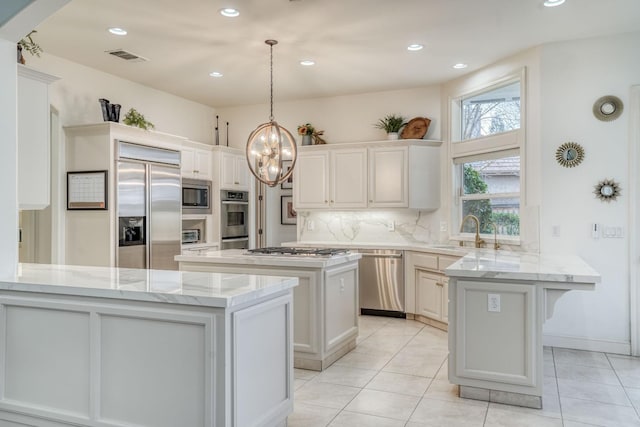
(439, 248)
(238, 256)
(523, 266)
(174, 287)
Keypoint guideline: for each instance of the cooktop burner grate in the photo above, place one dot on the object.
(322, 252)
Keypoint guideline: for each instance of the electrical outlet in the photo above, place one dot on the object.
(555, 231)
(391, 225)
(493, 303)
(444, 226)
(310, 225)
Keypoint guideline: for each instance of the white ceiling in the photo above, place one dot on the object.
(359, 45)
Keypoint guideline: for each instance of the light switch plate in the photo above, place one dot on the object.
(493, 303)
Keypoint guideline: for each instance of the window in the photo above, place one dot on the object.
(488, 135)
(491, 192)
(491, 112)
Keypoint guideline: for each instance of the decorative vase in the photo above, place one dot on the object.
(392, 135)
(20, 57)
(306, 139)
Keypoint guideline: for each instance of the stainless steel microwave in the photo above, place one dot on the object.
(196, 196)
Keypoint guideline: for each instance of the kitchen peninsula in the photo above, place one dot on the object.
(325, 317)
(498, 302)
(99, 346)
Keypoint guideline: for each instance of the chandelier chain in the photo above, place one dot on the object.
(271, 81)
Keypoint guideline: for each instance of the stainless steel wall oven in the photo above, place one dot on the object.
(234, 219)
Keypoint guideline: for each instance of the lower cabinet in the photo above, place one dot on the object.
(427, 287)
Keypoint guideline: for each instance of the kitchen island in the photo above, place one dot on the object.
(325, 317)
(107, 347)
(498, 302)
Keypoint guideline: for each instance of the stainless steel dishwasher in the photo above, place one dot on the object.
(381, 281)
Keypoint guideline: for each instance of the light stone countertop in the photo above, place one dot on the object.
(173, 287)
(439, 248)
(523, 266)
(238, 256)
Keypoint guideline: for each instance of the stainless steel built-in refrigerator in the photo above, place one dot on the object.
(149, 207)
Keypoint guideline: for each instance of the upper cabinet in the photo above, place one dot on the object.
(34, 153)
(398, 174)
(196, 163)
(233, 169)
(331, 179)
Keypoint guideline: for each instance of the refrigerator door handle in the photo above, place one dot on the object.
(147, 202)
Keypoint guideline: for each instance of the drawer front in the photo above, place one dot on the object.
(426, 261)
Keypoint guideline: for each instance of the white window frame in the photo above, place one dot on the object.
(509, 143)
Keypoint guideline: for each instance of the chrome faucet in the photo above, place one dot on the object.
(496, 245)
(479, 241)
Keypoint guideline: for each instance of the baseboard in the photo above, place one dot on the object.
(576, 343)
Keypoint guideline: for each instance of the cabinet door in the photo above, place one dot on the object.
(203, 164)
(33, 139)
(227, 170)
(311, 181)
(445, 300)
(349, 178)
(429, 290)
(241, 173)
(388, 177)
(188, 162)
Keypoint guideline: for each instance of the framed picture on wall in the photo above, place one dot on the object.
(288, 215)
(288, 184)
(87, 190)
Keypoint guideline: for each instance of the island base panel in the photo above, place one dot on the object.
(504, 397)
(302, 361)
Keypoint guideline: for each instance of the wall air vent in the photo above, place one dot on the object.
(127, 56)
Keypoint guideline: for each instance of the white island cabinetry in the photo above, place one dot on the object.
(326, 302)
(379, 174)
(498, 302)
(107, 347)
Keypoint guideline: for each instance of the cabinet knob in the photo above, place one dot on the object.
(332, 201)
(236, 183)
(370, 201)
(325, 201)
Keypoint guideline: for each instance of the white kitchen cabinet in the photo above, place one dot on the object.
(331, 179)
(402, 174)
(427, 288)
(34, 153)
(196, 163)
(388, 177)
(430, 299)
(234, 172)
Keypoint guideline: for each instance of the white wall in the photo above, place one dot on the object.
(76, 96)
(575, 74)
(343, 119)
(9, 159)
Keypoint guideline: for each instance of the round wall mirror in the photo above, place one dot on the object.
(607, 108)
(607, 190)
(570, 154)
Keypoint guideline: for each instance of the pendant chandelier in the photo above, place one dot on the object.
(269, 145)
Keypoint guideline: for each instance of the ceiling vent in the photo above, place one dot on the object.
(127, 56)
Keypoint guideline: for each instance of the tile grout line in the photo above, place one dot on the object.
(622, 385)
(555, 376)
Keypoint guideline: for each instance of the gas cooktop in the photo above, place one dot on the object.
(311, 252)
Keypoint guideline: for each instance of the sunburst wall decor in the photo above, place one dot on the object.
(607, 190)
(570, 154)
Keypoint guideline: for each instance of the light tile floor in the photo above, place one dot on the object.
(397, 377)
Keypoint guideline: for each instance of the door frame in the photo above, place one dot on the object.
(634, 211)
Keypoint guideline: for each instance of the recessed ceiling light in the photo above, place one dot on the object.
(118, 31)
(414, 47)
(460, 66)
(215, 74)
(307, 63)
(229, 12)
(553, 3)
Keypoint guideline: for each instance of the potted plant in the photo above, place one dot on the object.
(27, 43)
(391, 123)
(133, 118)
(309, 133)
